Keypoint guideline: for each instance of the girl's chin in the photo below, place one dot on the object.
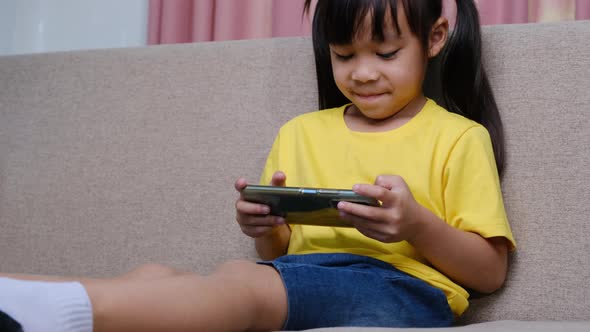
(376, 112)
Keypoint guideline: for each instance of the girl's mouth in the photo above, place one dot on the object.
(368, 96)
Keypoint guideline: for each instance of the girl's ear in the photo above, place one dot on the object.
(438, 37)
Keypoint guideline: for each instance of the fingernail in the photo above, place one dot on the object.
(355, 187)
(280, 220)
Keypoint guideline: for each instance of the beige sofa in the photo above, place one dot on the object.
(114, 158)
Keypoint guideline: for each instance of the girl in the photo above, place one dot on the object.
(441, 227)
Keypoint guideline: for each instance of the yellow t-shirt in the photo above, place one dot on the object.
(446, 160)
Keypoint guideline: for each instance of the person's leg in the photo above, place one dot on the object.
(237, 296)
(53, 303)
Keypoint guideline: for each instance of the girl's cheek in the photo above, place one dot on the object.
(339, 73)
(407, 76)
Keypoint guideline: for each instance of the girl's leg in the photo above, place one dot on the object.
(236, 297)
(147, 271)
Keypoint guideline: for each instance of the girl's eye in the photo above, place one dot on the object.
(343, 57)
(387, 55)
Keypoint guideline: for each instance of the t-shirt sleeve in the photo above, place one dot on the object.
(472, 192)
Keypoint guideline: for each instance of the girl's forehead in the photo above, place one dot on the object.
(389, 29)
(375, 21)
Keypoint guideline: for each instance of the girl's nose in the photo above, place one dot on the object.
(363, 72)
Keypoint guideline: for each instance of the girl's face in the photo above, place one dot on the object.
(381, 78)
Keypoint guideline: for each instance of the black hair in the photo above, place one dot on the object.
(462, 79)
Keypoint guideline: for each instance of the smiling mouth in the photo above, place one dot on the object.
(368, 95)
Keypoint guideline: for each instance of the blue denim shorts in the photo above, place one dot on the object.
(326, 290)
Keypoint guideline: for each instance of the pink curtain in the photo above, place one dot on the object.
(525, 11)
(182, 21)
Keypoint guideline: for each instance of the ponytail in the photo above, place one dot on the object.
(465, 86)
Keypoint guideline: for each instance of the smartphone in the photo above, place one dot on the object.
(306, 206)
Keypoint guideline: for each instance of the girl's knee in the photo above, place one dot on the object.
(264, 288)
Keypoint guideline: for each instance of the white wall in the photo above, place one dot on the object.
(33, 26)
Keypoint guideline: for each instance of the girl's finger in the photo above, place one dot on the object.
(378, 192)
(349, 218)
(246, 207)
(387, 181)
(369, 214)
(256, 221)
(240, 184)
(367, 227)
(371, 233)
(278, 179)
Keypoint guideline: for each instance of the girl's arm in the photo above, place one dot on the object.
(273, 244)
(467, 258)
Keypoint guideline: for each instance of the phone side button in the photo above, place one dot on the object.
(328, 192)
(305, 191)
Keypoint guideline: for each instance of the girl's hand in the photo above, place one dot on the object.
(255, 219)
(394, 221)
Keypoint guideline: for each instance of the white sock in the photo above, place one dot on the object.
(46, 306)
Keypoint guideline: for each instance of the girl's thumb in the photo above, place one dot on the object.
(278, 179)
